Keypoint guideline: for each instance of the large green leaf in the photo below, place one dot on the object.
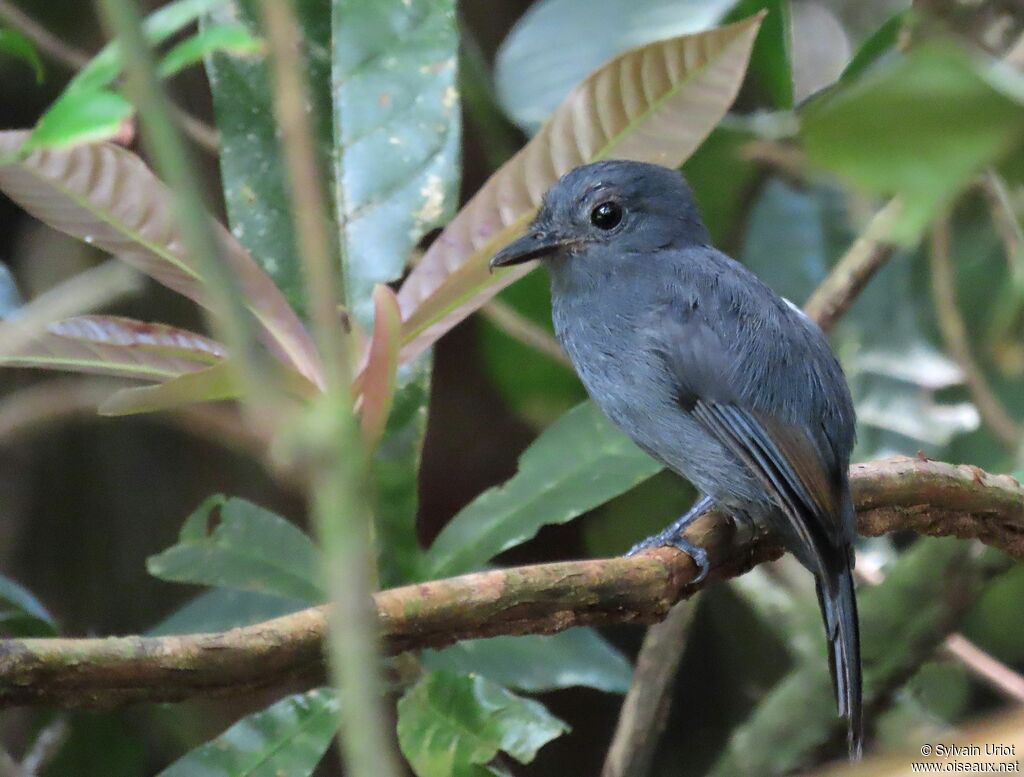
(14, 44)
(220, 609)
(537, 663)
(534, 70)
(453, 725)
(287, 739)
(578, 463)
(248, 548)
(21, 614)
(771, 68)
(921, 126)
(106, 196)
(655, 104)
(251, 163)
(397, 128)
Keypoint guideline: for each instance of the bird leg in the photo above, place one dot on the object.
(672, 536)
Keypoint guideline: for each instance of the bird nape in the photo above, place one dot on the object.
(710, 372)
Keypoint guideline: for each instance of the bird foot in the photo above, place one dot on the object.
(671, 538)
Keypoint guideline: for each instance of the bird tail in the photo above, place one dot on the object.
(839, 610)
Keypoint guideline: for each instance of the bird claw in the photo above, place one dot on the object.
(677, 541)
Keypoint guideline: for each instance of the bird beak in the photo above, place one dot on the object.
(532, 245)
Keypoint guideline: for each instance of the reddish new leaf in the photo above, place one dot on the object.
(377, 381)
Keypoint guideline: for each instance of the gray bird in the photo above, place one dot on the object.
(710, 372)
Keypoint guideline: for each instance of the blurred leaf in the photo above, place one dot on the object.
(453, 725)
(107, 197)
(878, 45)
(14, 44)
(987, 624)
(903, 620)
(220, 609)
(10, 297)
(232, 39)
(122, 347)
(722, 180)
(578, 463)
(21, 614)
(81, 117)
(102, 744)
(377, 381)
(251, 163)
(287, 739)
(212, 384)
(628, 109)
(536, 663)
(248, 548)
(534, 70)
(396, 467)
(771, 67)
(922, 126)
(397, 131)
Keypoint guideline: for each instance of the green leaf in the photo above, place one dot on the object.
(233, 39)
(879, 44)
(922, 127)
(396, 466)
(21, 614)
(397, 131)
(578, 463)
(220, 609)
(536, 663)
(628, 110)
(453, 725)
(106, 196)
(534, 70)
(251, 163)
(287, 739)
(81, 117)
(212, 384)
(16, 45)
(771, 66)
(249, 548)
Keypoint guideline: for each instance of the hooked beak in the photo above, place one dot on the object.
(532, 245)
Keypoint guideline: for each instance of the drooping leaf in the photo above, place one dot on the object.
(249, 548)
(251, 162)
(397, 129)
(377, 381)
(107, 197)
(232, 39)
(212, 384)
(121, 347)
(578, 463)
(287, 739)
(14, 44)
(771, 66)
(535, 663)
(453, 725)
(921, 126)
(396, 465)
(534, 70)
(21, 614)
(653, 104)
(220, 609)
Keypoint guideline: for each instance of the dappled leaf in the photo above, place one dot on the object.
(14, 44)
(536, 663)
(110, 345)
(107, 197)
(212, 384)
(287, 739)
(653, 104)
(256, 190)
(377, 381)
(397, 131)
(220, 609)
(534, 69)
(577, 463)
(452, 725)
(233, 39)
(249, 548)
(21, 614)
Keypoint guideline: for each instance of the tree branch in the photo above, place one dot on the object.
(892, 494)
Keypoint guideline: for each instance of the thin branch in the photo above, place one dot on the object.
(992, 671)
(519, 327)
(865, 257)
(892, 494)
(954, 333)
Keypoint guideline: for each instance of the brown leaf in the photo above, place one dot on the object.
(655, 103)
(377, 381)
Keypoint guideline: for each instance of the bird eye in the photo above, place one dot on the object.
(607, 215)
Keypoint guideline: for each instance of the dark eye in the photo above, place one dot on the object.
(607, 215)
